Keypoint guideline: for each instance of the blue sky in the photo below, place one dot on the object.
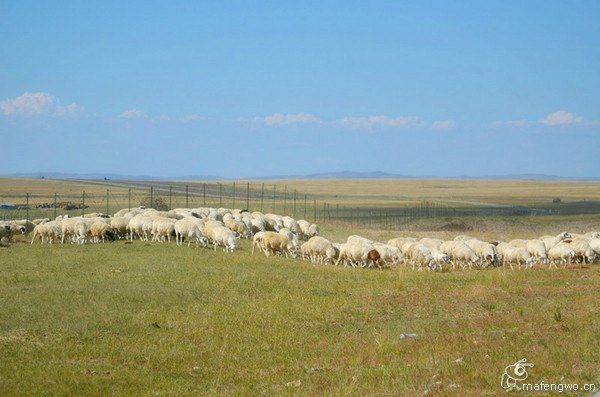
(239, 89)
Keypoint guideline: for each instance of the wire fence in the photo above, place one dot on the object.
(262, 197)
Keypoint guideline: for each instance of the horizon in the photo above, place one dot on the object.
(254, 91)
(334, 175)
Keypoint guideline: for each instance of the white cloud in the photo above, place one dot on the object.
(36, 104)
(443, 124)
(279, 118)
(554, 119)
(372, 121)
(190, 117)
(133, 114)
(561, 117)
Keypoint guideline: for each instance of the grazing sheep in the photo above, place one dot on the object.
(420, 255)
(27, 224)
(39, 221)
(273, 242)
(119, 226)
(400, 241)
(163, 229)
(239, 227)
(140, 226)
(222, 236)
(486, 252)
(100, 231)
(358, 253)
(183, 228)
(551, 241)
(292, 237)
(390, 254)
(319, 250)
(583, 251)
(291, 224)
(47, 232)
(561, 252)
(359, 239)
(459, 252)
(11, 228)
(257, 241)
(515, 254)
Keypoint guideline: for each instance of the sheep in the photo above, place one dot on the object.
(484, 250)
(257, 241)
(583, 251)
(183, 228)
(39, 221)
(389, 254)
(359, 239)
(11, 228)
(100, 231)
(76, 228)
(221, 236)
(163, 229)
(239, 227)
(400, 241)
(119, 226)
(561, 252)
(273, 242)
(273, 222)
(47, 231)
(595, 245)
(140, 225)
(258, 224)
(313, 230)
(360, 253)
(519, 255)
(292, 237)
(538, 249)
(551, 241)
(26, 223)
(319, 250)
(196, 234)
(421, 255)
(291, 224)
(592, 235)
(459, 252)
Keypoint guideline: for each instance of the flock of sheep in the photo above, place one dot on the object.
(274, 234)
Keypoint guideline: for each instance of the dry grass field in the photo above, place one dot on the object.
(157, 319)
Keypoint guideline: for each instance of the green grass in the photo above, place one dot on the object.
(146, 319)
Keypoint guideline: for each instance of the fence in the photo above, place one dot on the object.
(109, 197)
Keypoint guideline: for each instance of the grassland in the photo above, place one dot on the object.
(146, 319)
(156, 319)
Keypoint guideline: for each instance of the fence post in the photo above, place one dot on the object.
(315, 210)
(262, 196)
(284, 199)
(220, 195)
(204, 194)
(151, 197)
(170, 197)
(187, 196)
(55, 204)
(27, 206)
(107, 201)
(274, 189)
(294, 214)
(233, 206)
(305, 206)
(248, 195)
(129, 199)
(83, 203)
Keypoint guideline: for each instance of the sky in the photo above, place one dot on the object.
(249, 89)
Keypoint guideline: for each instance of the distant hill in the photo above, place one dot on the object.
(323, 175)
